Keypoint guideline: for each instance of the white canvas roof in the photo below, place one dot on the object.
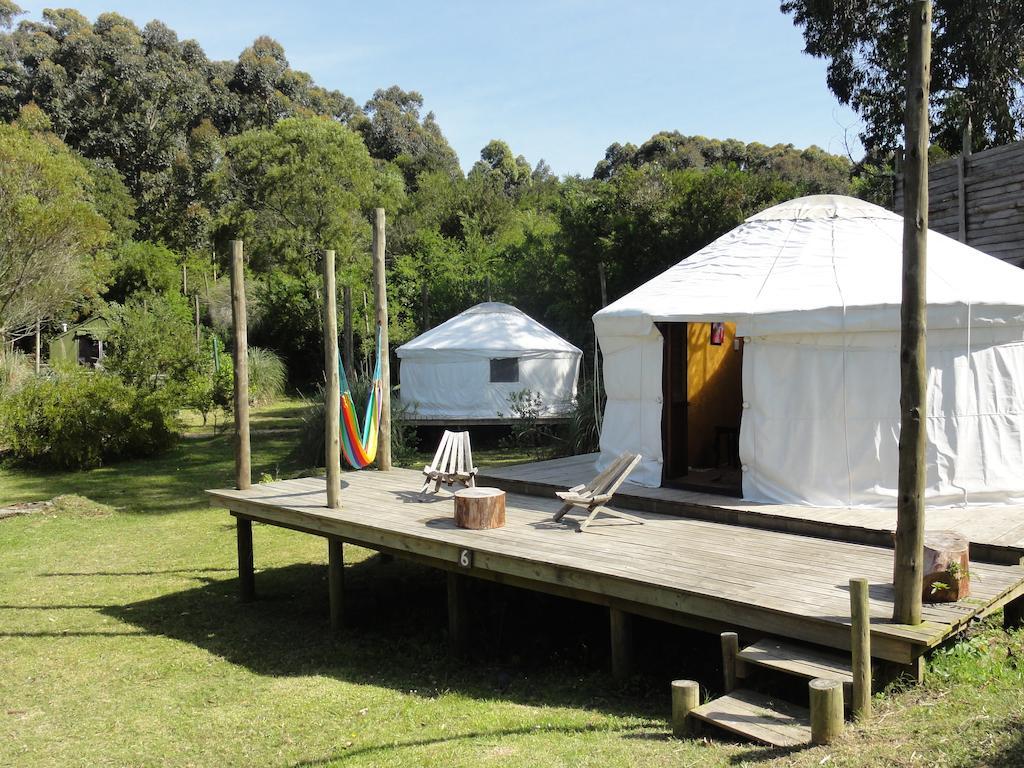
(814, 285)
(491, 329)
(818, 264)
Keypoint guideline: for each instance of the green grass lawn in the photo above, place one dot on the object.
(122, 644)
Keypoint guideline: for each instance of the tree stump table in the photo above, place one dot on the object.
(480, 508)
(947, 576)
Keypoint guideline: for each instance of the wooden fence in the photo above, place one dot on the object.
(978, 199)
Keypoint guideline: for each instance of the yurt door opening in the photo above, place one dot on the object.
(702, 390)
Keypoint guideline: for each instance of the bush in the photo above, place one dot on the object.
(267, 376)
(79, 419)
(15, 370)
(151, 343)
(585, 427)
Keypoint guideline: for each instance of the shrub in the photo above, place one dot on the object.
(15, 370)
(585, 427)
(151, 343)
(267, 376)
(79, 419)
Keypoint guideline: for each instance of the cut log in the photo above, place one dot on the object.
(479, 508)
(946, 567)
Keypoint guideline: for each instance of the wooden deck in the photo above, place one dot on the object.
(698, 573)
(996, 533)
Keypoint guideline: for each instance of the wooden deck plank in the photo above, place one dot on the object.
(995, 531)
(758, 717)
(672, 564)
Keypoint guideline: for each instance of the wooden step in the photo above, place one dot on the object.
(801, 661)
(758, 717)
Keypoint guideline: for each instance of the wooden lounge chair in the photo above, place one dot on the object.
(453, 463)
(591, 497)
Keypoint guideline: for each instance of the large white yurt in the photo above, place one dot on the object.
(468, 367)
(785, 333)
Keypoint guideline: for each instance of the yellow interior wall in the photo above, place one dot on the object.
(714, 390)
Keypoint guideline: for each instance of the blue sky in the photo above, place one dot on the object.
(559, 80)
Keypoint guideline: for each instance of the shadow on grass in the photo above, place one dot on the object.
(527, 647)
(462, 737)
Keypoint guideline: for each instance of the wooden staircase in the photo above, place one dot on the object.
(764, 718)
(832, 679)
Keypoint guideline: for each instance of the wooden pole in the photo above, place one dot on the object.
(39, 346)
(458, 615)
(380, 296)
(685, 699)
(604, 284)
(826, 710)
(860, 647)
(332, 386)
(184, 279)
(243, 465)
(346, 334)
(621, 624)
(730, 652)
(246, 572)
(961, 186)
(336, 581)
(1013, 611)
(913, 396)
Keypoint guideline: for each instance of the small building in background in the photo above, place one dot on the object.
(81, 344)
(468, 368)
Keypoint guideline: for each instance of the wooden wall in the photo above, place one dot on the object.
(978, 199)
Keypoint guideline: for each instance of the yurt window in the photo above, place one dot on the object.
(504, 369)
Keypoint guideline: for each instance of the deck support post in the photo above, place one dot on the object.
(1013, 614)
(621, 624)
(246, 572)
(458, 615)
(380, 298)
(685, 699)
(332, 385)
(730, 660)
(336, 582)
(826, 710)
(860, 649)
(239, 327)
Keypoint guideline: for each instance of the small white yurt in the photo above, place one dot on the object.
(784, 334)
(467, 367)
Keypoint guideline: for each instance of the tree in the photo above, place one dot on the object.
(143, 269)
(394, 132)
(977, 71)
(303, 186)
(50, 231)
(151, 344)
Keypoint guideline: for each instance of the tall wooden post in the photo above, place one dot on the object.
(604, 283)
(908, 573)
(243, 466)
(380, 295)
(346, 333)
(332, 386)
(860, 648)
(184, 279)
(39, 346)
(198, 339)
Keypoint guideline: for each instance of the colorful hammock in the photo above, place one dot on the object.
(360, 446)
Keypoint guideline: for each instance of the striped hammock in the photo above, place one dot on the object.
(359, 446)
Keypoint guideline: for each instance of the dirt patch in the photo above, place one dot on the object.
(24, 508)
